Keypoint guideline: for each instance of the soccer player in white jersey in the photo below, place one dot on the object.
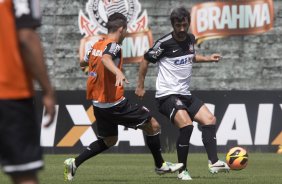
(175, 54)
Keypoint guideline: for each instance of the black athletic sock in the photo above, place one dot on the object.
(182, 145)
(93, 149)
(209, 140)
(154, 145)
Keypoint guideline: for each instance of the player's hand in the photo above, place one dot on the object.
(50, 111)
(120, 79)
(214, 57)
(140, 92)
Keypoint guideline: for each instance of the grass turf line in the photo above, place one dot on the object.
(262, 168)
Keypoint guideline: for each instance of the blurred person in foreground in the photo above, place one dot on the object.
(111, 108)
(175, 54)
(21, 61)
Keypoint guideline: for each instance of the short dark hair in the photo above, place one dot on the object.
(115, 21)
(179, 14)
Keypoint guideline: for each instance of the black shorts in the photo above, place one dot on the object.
(20, 149)
(126, 114)
(168, 105)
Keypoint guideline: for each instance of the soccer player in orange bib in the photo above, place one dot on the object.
(111, 108)
(21, 61)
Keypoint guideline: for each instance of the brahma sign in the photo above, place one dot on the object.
(219, 19)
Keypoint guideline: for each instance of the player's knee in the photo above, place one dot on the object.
(110, 141)
(209, 120)
(155, 126)
(212, 120)
(25, 178)
(152, 127)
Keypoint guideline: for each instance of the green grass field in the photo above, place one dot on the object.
(262, 168)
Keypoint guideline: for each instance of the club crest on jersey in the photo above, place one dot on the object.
(178, 102)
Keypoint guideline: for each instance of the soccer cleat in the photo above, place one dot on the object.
(169, 167)
(69, 169)
(184, 175)
(217, 167)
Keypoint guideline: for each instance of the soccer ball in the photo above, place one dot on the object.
(237, 158)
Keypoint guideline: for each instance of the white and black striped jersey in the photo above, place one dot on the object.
(175, 60)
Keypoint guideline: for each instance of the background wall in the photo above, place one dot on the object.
(249, 62)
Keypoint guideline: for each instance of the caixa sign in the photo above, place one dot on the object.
(251, 119)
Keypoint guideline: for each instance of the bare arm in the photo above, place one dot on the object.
(210, 58)
(109, 64)
(140, 90)
(32, 54)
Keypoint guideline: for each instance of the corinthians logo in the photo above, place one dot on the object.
(93, 26)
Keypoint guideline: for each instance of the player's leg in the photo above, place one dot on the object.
(95, 148)
(173, 107)
(21, 154)
(208, 121)
(184, 123)
(28, 178)
(152, 131)
(108, 136)
(136, 116)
